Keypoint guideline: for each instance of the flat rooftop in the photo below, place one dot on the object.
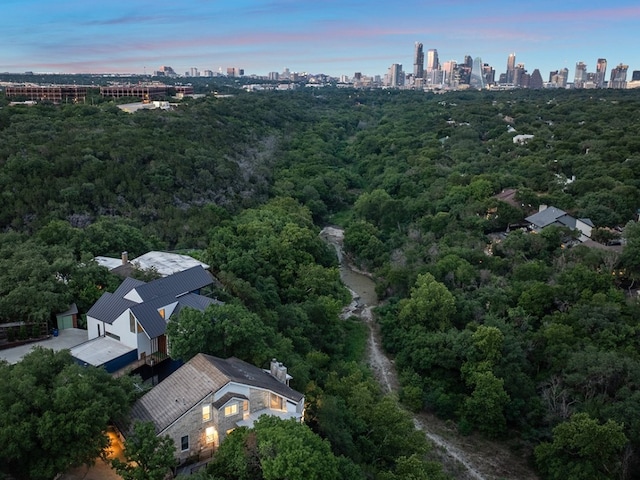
(99, 351)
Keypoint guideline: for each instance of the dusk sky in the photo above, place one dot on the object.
(331, 36)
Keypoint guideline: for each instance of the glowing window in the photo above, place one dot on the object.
(210, 434)
(231, 410)
(161, 312)
(206, 413)
(277, 402)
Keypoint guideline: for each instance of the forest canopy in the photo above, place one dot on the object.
(530, 338)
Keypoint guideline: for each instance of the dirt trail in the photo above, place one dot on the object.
(463, 457)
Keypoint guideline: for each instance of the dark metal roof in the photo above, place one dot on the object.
(155, 295)
(545, 217)
(109, 307)
(177, 284)
(127, 285)
(199, 302)
(148, 316)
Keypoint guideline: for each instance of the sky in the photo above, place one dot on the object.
(336, 37)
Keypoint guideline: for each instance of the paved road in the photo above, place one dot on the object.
(67, 338)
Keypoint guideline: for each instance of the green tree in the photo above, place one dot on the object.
(582, 449)
(47, 400)
(431, 304)
(147, 456)
(222, 330)
(275, 449)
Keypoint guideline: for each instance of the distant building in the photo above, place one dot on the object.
(580, 76)
(395, 75)
(519, 76)
(601, 71)
(418, 61)
(477, 77)
(51, 93)
(535, 81)
(619, 76)
(489, 74)
(511, 67)
(146, 92)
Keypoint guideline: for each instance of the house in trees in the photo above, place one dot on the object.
(137, 313)
(199, 404)
(163, 263)
(547, 216)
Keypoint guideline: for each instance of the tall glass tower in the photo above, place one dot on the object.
(418, 61)
(601, 71)
(511, 68)
(477, 76)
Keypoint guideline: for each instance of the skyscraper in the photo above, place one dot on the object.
(580, 76)
(535, 81)
(601, 71)
(511, 68)
(418, 61)
(477, 77)
(432, 60)
(395, 75)
(619, 77)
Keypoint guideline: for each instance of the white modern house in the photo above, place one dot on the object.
(137, 313)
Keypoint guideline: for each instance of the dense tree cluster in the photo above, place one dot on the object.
(47, 402)
(511, 335)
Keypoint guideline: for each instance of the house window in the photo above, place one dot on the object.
(210, 434)
(231, 410)
(161, 312)
(184, 443)
(245, 406)
(206, 413)
(132, 323)
(277, 402)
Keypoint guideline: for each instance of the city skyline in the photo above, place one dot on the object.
(336, 38)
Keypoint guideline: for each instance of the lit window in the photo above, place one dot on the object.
(210, 434)
(161, 312)
(277, 402)
(231, 410)
(184, 443)
(230, 430)
(206, 413)
(245, 406)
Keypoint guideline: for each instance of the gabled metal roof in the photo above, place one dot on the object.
(109, 307)
(545, 217)
(177, 284)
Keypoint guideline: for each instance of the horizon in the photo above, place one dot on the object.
(333, 38)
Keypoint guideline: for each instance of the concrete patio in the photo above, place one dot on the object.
(66, 339)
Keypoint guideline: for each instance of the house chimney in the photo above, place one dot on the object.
(125, 258)
(542, 207)
(279, 371)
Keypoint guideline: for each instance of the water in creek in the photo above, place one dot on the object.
(361, 286)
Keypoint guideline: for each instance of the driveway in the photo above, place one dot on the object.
(101, 470)
(67, 338)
